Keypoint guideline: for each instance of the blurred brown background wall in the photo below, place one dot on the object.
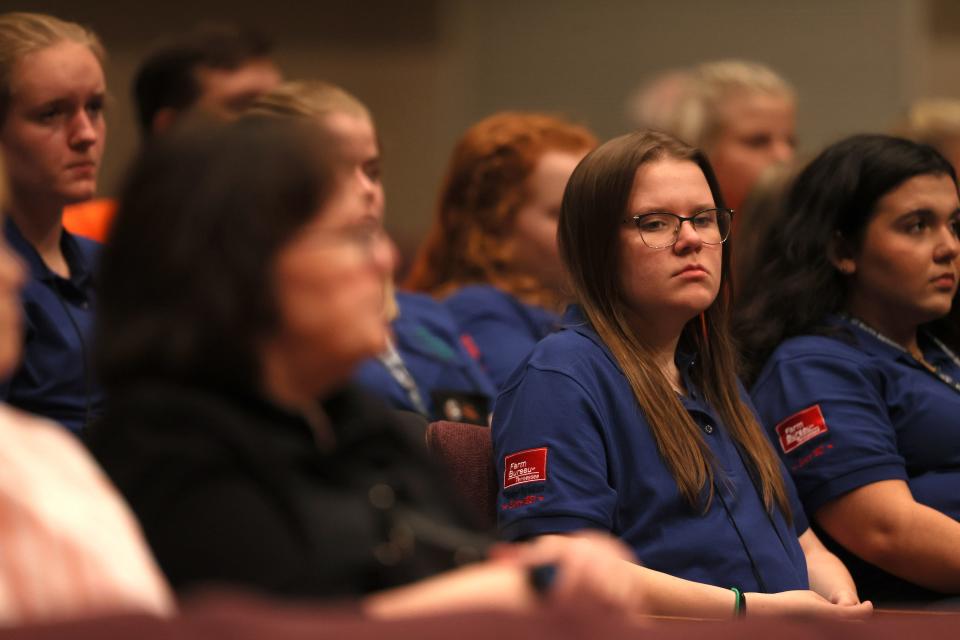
(429, 68)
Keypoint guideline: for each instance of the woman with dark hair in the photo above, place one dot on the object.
(850, 342)
(52, 132)
(492, 251)
(632, 421)
(231, 303)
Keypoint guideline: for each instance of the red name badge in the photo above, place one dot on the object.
(525, 466)
(801, 427)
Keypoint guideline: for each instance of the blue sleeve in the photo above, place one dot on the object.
(550, 451)
(800, 521)
(938, 490)
(827, 419)
(503, 338)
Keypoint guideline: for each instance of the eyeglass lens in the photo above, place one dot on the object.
(662, 229)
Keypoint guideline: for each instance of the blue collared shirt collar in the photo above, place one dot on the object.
(79, 273)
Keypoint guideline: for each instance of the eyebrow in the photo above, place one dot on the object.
(696, 209)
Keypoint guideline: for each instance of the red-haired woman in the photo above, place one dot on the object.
(492, 251)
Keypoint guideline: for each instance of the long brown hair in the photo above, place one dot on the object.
(484, 188)
(594, 204)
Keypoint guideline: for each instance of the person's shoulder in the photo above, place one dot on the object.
(814, 347)
(89, 249)
(423, 308)
(477, 294)
(811, 353)
(568, 351)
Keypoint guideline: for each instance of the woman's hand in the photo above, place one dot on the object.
(807, 603)
(593, 569)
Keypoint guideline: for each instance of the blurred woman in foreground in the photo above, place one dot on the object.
(230, 306)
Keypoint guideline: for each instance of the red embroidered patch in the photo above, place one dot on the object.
(801, 427)
(468, 343)
(525, 466)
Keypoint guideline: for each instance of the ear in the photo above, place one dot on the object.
(163, 119)
(840, 254)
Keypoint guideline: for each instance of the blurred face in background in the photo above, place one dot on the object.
(330, 292)
(54, 132)
(757, 130)
(225, 93)
(534, 237)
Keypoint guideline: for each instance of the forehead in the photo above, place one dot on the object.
(678, 186)
(937, 192)
(354, 134)
(63, 70)
(553, 170)
(742, 109)
(253, 77)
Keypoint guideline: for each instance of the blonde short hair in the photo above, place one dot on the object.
(687, 103)
(23, 33)
(932, 121)
(308, 99)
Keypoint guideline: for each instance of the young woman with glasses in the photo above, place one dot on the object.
(632, 421)
(851, 339)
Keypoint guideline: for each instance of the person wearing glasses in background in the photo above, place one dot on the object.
(632, 421)
(850, 333)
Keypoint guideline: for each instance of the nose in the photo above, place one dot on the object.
(948, 248)
(782, 151)
(83, 132)
(687, 238)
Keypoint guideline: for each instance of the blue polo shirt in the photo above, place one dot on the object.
(574, 451)
(504, 329)
(55, 378)
(848, 410)
(450, 381)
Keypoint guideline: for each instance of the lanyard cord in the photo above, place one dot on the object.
(398, 370)
(943, 376)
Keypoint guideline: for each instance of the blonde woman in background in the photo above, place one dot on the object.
(935, 122)
(424, 368)
(52, 132)
(742, 114)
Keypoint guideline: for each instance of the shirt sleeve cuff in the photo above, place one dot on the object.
(532, 527)
(844, 484)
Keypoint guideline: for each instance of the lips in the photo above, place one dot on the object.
(82, 164)
(946, 279)
(693, 269)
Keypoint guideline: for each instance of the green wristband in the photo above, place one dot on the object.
(739, 604)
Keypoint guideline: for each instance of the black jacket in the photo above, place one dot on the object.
(232, 489)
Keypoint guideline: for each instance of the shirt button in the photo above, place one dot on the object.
(708, 428)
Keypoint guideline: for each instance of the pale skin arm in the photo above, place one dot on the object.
(598, 564)
(884, 525)
(828, 575)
